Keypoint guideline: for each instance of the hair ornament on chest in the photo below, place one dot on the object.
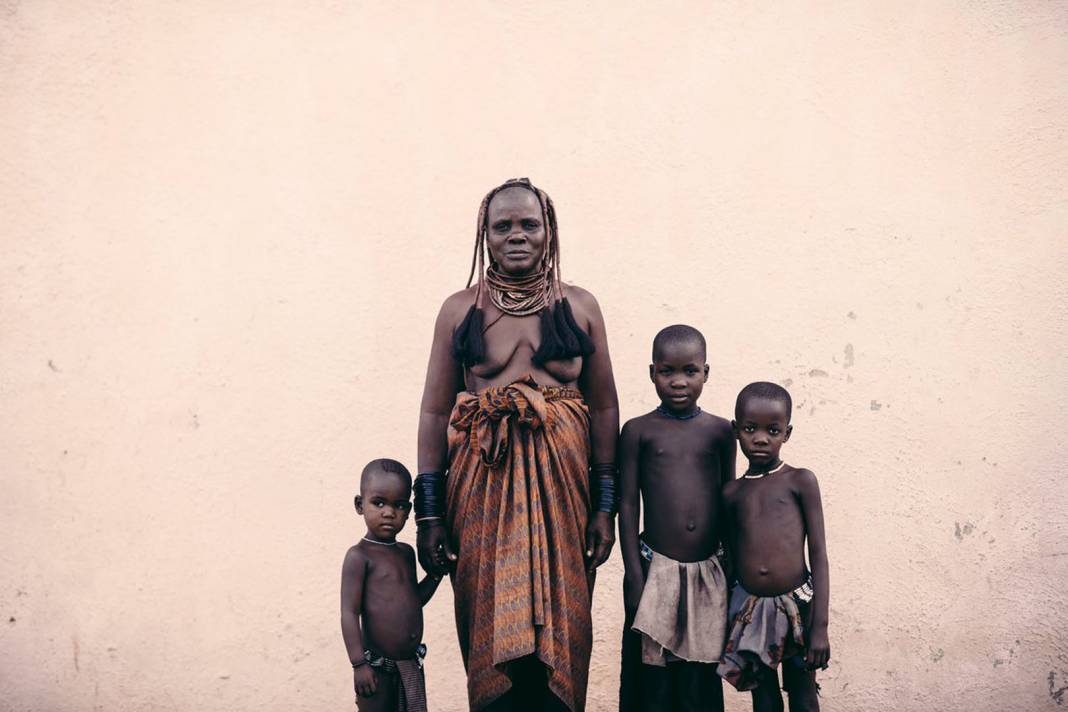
(538, 293)
(757, 476)
(665, 412)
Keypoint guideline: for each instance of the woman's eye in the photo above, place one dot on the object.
(529, 225)
(502, 226)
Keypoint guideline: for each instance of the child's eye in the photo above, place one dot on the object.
(773, 431)
(404, 505)
(749, 428)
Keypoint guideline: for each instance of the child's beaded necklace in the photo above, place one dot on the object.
(748, 476)
(381, 543)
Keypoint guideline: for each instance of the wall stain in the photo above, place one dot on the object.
(876, 405)
(852, 315)
(937, 655)
(1058, 694)
(848, 356)
(53, 366)
(964, 531)
(74, 640)
(818, 373)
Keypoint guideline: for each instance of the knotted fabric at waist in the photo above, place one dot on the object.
(489, 415)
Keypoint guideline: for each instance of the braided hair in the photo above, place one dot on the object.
(561, 336)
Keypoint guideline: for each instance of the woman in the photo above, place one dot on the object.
(520, 411)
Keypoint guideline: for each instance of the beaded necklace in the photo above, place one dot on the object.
(664, 411)
(381, 543)
(748, 476)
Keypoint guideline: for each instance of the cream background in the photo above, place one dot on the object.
(227, 228)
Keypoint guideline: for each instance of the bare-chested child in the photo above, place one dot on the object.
(673, 464)
(381, 604)
(778, 609)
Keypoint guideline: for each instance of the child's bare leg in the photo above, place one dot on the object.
(766, 695)
(697, 687)
(801, 688)
(656, 688)
(385, 697)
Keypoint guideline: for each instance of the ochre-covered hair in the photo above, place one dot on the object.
(561, 336)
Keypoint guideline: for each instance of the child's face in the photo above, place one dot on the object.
(385, 504)
(679, 373)
(762, 428)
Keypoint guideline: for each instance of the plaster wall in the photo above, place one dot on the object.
(227, 228)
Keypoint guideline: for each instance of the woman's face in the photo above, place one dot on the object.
(516, 234)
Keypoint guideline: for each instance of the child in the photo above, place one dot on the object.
(677, 459)
(378, 583)
(778, 610)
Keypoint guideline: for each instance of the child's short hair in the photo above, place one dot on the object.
(676, 334)
(764, 389)
(384, 464)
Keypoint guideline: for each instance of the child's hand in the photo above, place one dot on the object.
(819, 650)
(364, 680)
(633, 585)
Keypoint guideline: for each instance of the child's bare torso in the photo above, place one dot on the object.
(680, 474)
(392, 614)
(769, 532)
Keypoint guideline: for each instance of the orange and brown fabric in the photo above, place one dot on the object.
(518, 503)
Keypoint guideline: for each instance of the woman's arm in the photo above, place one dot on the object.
(444, 379)
(598, 386)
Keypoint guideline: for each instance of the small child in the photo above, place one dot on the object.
(778, 610)
(675, 460)
(378, 584)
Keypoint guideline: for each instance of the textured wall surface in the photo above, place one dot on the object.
(227, 228)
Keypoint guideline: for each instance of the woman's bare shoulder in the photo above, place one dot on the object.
(582, 301)
(456, 305)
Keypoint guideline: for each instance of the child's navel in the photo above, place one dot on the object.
(763, 570)
(691, 525)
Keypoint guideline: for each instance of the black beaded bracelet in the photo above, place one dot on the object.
(603, 488)
(361, 663)
(429, 489)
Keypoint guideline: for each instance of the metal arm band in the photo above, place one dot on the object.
(603, 488)
(429, 491)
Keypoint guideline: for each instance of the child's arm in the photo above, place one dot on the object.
(428, 585)
(728, 453)
(819, 647)
(353, 572)
(629, 508)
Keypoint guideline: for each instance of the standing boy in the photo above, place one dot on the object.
(675, 460)
(381, 604)
(778, 610)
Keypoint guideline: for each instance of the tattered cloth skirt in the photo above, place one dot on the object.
(518, 502)
(683, 610)
(764, 631)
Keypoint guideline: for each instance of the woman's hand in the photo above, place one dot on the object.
(600, 536)
(436, 555)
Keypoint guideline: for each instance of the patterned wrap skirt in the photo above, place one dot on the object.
(518, 501)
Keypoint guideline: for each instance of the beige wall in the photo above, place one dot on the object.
(227, 227)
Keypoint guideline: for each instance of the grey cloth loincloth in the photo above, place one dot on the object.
(682, 614)
(407, 676)
(764, 632)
